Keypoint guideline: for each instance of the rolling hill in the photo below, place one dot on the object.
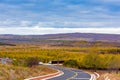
(68, 36)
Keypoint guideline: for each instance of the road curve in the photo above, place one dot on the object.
(71, 74)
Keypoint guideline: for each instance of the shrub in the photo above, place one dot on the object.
(71, 63)
(92, 61)
(31, 61)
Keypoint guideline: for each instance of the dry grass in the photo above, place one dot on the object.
(10, 72)
(103, 74)
(111, 76)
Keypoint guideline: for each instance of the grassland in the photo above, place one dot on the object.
(46, 53)
(105, 75)
(11, 72)
(95, 57)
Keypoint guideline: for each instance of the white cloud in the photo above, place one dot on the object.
(81, 24)
(62, 24)
(76, 16)
(40, 30)
(110, 0)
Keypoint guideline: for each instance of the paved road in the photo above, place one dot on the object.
(71, 74)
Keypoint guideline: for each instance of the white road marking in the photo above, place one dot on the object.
(76, 74)
(97, 74)
(93, 77)
(58, 71)
(80, 78)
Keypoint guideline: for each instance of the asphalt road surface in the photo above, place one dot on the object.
(71, 74)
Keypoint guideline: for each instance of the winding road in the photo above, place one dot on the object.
(71, 74)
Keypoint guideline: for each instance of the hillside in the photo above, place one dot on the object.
(84, 36)
(91, 37)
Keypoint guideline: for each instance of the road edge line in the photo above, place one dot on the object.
(93, 77)
(58, 71)
(97, 74)
(54, 76)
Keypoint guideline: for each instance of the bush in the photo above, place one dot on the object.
(31, 61)
(92, 61)
(18, 62)
(71, 63)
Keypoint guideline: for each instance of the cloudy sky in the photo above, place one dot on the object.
(59, 16)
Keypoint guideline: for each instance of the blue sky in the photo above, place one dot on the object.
(59, 16)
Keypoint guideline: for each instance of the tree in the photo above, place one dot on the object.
(114, 64)
(92, 60)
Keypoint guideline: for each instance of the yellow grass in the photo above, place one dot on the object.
(10, 72)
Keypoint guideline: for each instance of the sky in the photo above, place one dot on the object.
(59, 16)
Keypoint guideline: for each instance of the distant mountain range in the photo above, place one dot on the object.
(91, 37)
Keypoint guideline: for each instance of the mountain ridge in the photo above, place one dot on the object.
(64, 36)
